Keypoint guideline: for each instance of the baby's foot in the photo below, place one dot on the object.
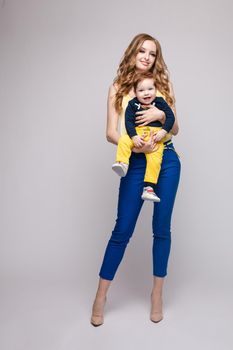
(149, 194)
(120, 168)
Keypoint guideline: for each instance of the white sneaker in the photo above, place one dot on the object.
(120, 168)
(149, 194)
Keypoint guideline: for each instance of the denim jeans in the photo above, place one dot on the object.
(129, 206)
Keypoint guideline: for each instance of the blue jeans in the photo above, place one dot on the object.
(129, 206)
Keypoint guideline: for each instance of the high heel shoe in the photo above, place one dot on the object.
(97, 318)
(156, 316)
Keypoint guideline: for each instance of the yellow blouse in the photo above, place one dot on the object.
(124, 104)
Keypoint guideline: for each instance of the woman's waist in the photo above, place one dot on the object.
(168, 143)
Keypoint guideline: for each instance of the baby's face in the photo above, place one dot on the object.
(146, 91)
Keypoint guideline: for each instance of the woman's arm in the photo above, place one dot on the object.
(175, 128)
(147, 116)
(112, 133)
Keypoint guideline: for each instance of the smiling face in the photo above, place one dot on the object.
(145, 58)
(146, 91)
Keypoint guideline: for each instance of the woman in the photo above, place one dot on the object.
(143, 54)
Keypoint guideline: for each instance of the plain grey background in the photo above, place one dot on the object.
(59, 195)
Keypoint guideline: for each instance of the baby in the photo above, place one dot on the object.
(145, 91)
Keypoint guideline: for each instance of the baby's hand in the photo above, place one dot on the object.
(160, 135)
(138, 141)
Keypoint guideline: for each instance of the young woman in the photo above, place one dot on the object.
(143, 54)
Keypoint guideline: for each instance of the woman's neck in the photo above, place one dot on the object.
(131, 93)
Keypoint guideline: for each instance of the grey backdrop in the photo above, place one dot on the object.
(59, 194)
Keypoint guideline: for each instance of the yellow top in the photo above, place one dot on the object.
(124, 104)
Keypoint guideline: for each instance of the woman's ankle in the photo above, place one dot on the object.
(156, 295)
(100, 295)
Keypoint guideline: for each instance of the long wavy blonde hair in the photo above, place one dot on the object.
(126, 71)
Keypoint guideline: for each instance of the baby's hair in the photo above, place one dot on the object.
(141, 76)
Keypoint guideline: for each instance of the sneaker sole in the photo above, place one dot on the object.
(118, 170)
(150, 199)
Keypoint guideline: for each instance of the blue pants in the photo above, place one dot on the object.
(129, 206)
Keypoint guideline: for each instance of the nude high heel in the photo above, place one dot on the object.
(97, 318)
(155, 315)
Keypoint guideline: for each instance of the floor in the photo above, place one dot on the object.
(36, 316)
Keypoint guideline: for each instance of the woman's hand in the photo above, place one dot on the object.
(148, 147)
(149, 115)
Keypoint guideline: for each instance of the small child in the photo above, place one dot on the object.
(145, 91)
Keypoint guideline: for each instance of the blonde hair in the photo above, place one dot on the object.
(126, 71)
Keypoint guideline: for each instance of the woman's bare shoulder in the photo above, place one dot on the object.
(112, 90)
(171, 87)
(172, 90)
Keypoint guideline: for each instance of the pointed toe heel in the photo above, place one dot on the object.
(97, 318)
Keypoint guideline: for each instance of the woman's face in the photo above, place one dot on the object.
(145, 58)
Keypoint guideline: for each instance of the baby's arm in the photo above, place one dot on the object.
(160, 135)
(170, 119)
(130, 120)
(130, 126)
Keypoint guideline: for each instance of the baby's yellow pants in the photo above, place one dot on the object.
(153, 159)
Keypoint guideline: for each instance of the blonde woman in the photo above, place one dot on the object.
(143, 54)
